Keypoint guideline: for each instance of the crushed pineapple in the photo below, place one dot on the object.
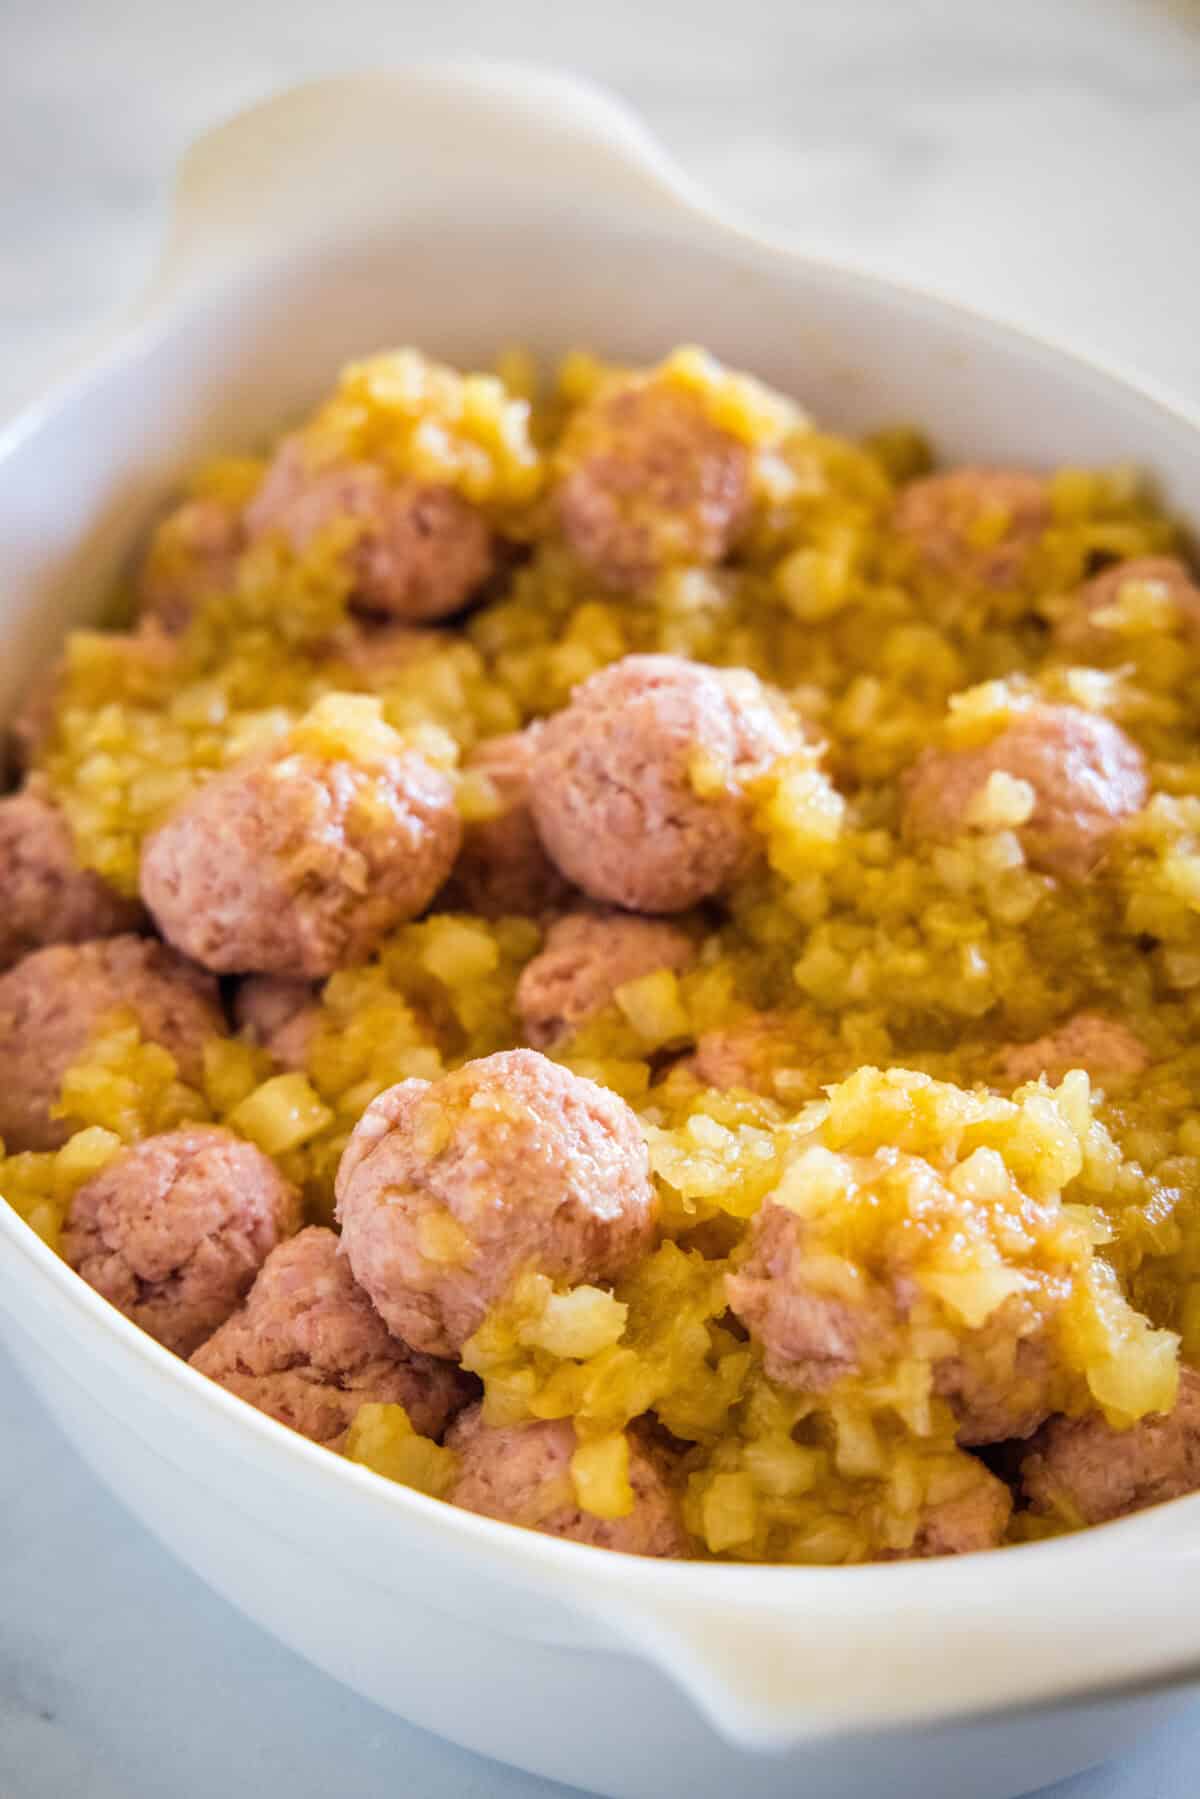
(126, 1086)
(654, 1009)
(579, 1323)
(424, 420)
(39, 1186)
(281, 1114)
(382, 1438)
(600, 1476)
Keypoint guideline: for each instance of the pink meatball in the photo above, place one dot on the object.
(279, 1016)
(1087, 779)
(376, 653)
(447, 1192)
(502, 869)
(972, 1517)
(1085, 1471)
(1003, 1384)
(54, 1001)
(810, 1339)
(193, 556)
(615, 790)
(420, 550)
(734, 1058)
(1083, 627)
(522, 1474)
(974, 526)
(648, 482)
(293, 863)
(47, 896)
(174, 1230)
(999, 1383)
(585, 958)
(1105, 1047)
(309, 1348)
(768, 1053)
(32, 724)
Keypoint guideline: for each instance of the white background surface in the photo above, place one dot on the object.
(1037, 156)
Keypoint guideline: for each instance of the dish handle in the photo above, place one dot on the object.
(912, 1644)
(343, 152)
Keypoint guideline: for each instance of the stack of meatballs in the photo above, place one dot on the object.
(614, 820)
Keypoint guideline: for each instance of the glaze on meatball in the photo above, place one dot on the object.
(173, 1231)
(974, 527)
(53, 1002)
(502, 868)
(309, 1348)
(1086, 777)
(641, 786)
(299, 862)
(193, 556)
(999, 1383)
(968, 1511)
(45, 896)
(1106, 1048)
(810, 1339)
(1086, 1472)
(521, 1473)
(648, 482)
(420, 550)
(585, 958)
(448, 1191)
(1003, 1383)
(1083, 629)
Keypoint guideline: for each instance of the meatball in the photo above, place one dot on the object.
(767, 1053)
(53, 1001)
(174, 1230)
(1083, 628)
(999, 1383)
(522, 1474)
(968, 1510)
(648, 481)
(193, 556)
(309, 1348)
(48, 897)
(447, 1192)
(376, 653)
(1085, 778)
(733, 1058)
(300, 861)
(810, 1339)
(974, 526)
(419, 551)
(616, 793)
(586, 957)
(31, 726)
(1085, 1471)
(1105, 1047)
(1003, 1384)
(502, 868)
(279, 1016)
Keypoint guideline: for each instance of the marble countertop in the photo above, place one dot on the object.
(1037, 158)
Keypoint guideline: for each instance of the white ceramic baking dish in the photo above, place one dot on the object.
(461, 209)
